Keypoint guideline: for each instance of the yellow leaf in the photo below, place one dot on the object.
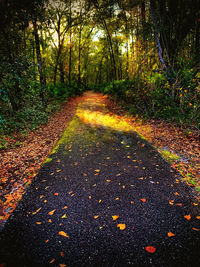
(121, 226)
(116, 198)
(97, 170)
(171, 202)
(108, 181)
(99, 200)
(115, 217)
(143, 200)
(52, 212)
(64, 216)
(108, 158)
(58, 170)
(170, 234)
(188, 217)
(96, 216)
(123, 186)
(36, 211)
(63, 234)
(90, 197)
(195, 204)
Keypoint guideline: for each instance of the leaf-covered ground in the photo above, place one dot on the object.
(19, 165)
(104, 197)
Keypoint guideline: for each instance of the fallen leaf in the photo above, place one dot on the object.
(176, 194)
(170, 234)
(64, 216)
(195, 204)
(36, 211)
(56, 194)
(132, 202)
(46, 241)
(62, 265)
(90, 197)
(179, 204)
(58, 170)
(65, 207)
(63, 234)
(188, 217)
(196, 229)
(143, 200)
(97, 170)
(115, 217)
(171, 202)
(198, 217)
(108, 181)
(99, 200)
(96, 216)
(52, 212)
(121, 226)
(61, 254)
(52, 261)
(50, 221)
(150, 249)
(38, 223)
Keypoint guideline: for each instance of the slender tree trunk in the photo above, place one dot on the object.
(39, 62)
(159, 48)
(79, 56)
(70, 45)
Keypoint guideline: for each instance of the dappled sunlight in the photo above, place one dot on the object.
(103, 119)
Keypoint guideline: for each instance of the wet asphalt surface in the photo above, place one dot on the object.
(85, 184)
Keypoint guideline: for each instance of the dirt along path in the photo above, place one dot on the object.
(104, 197)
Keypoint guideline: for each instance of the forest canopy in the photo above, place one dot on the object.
(145, 53)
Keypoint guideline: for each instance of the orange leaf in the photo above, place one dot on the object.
(58, 170)
(62, 265)
(56, 194)
(132, 202)
(38, 222)
(196, 229)
(50, 221)
(123, 186)
(150, 249)
(176, 194)
(97, 170)
(116, 198)
(65, 207)
(170, 234)
(63, 234)
(108, 181)
(115, 217)
(96, 216)
(121, 226)
(52, 261)
(198, 217)
(61, 254)
(188, 217)
(47, 241)
(90, 197)
(52, 212)
(99, 200)
(179, 204)
(171, 202)
(143, 200)
(36, 211)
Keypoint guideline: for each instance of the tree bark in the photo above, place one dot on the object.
(39, 63)
(159, 48)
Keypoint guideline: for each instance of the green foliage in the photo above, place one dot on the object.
(63, 91)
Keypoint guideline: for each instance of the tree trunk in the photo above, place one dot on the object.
(39, 62)
(159, 48)
(79, 56)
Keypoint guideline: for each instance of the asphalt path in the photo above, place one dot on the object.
(105, 197)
